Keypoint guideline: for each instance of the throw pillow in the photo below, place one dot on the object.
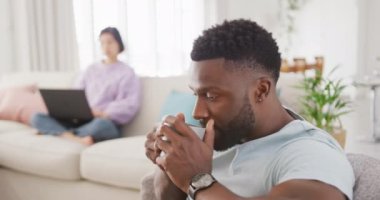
(20, 103)
(177, 102)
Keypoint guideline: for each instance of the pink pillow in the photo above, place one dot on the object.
(20, 103)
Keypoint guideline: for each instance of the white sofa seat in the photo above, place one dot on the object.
(47, 156)
(119, 162)
(7, 126)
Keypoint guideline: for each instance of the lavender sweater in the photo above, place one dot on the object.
(113, 89)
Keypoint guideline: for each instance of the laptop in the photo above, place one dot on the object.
(67, 105)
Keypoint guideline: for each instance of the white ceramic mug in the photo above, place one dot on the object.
(198, 130)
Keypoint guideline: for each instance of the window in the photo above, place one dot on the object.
(158, 34)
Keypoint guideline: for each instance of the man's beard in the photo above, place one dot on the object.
(237, 130)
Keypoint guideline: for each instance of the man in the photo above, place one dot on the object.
(264, 150)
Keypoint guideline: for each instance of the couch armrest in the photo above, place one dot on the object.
(147, 190)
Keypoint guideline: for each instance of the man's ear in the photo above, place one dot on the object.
(262, 88)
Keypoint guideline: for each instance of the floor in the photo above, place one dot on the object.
(358, 125)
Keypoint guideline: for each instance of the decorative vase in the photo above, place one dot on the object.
(339, 134)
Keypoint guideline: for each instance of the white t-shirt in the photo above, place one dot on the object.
(298, 151)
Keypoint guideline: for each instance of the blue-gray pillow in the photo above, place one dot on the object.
(177, 102)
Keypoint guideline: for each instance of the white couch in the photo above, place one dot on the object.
(35, 167)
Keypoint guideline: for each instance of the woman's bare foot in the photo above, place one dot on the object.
(87, 140)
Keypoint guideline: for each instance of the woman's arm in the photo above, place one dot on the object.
(80, 81)
(127, 101)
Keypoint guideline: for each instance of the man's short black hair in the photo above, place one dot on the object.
(242, 41)
(115, 33)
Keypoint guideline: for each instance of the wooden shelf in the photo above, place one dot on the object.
(300, 66)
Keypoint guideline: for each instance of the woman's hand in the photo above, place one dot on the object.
(98, 113)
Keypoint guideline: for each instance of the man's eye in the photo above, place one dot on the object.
(210, 97)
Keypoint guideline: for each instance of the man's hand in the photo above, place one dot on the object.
(185, 154)
(164, 189)
(163, 186)
(151, 150)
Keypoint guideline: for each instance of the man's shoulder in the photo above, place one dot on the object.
(311, 136)
(315, 157)
(315, 150)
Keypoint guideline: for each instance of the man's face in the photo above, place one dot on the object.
(222, 96)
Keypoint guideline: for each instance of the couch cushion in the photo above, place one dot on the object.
(177, 102)
(11, 126)
(118, 162)
(43, 155)
(20, 103)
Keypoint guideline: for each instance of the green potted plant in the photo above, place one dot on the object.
(323, 104)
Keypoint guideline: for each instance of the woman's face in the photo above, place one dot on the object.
(109, 45)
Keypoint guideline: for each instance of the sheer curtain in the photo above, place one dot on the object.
(38, 35)
(158, 34)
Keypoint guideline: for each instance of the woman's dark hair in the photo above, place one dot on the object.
(115, 33)
(241, 41)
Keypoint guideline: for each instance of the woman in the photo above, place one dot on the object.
(112, 90)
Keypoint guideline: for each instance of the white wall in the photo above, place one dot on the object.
(369, 36)
(323, 27)
(263, 12)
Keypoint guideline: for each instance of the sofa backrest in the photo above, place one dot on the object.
(155, 91)
(42, 79)
(367, 176)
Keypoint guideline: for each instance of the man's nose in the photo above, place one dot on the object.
(200, 110)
